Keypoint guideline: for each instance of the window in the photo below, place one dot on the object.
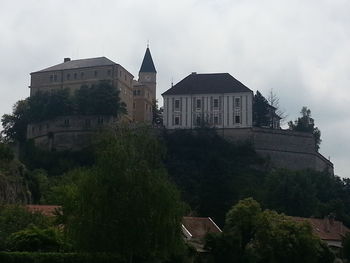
(198, 104)
(82, 75)
(54, 77)
(75, 75)
(138, 92)
(51, 78)
(177, 104)
(237, 119)
(216, 120)
(108, 72)
(134, 105)
(216, 103)
(177, 120)
(68, 76)
(66, 122)
(100, 120)
(134, 92)
(146, 106)
(198, 120)
(95, 73)
(237, 103)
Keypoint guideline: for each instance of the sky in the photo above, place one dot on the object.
(299, 49)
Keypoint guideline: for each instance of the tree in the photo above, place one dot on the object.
(125, 204)
(15, 124)
(157, 117)
(254, 235)
(274, 101)
(306, 124)
(261, 111)
(100, 99)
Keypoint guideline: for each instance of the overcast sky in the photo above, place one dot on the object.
(300, 49)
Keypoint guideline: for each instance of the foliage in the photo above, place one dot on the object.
(6, 153)
(125, 204)
(100, 99)
(254, 235)
(346, 246)
(39, 257)
(36, 239)
(306, 124)
(55, 163)
(261, 111)
(15, 218)
(15, 124)
(211, 172)
(157, 117)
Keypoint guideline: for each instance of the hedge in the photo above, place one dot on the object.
(38, 257)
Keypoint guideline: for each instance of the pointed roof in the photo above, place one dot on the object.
(147, 63)
(207, 84)
(80, 63)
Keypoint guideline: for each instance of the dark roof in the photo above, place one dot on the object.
(325, 228)
(80, 63)
(198, 227)
(147, 63)
(46, 210)
(207, 84)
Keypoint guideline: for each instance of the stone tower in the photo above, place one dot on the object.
(148, 73)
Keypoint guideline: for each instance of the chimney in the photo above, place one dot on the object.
(66, 59)
(193, 73)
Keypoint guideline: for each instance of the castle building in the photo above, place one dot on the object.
(72, 74)
(217, 100)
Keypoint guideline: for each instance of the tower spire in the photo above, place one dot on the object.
(147, 63)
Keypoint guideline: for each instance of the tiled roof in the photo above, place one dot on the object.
(47, 210)
(147, 63)
(207, 84)
(198, 227)
(325, 229)
(80, 63)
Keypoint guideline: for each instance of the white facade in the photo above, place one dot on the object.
(228, 110)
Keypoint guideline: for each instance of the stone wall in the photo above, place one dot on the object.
(286, 149)
(67, 132)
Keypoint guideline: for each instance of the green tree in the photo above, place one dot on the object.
(254, 235)
(211, 180)
(15, 124)
(291, 192)
(306, 124)
(125, 203)
(99, 99)
(261, 116)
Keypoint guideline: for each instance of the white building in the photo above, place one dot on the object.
(217, 100)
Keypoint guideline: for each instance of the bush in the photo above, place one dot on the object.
(27, 257)
(36, 239)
